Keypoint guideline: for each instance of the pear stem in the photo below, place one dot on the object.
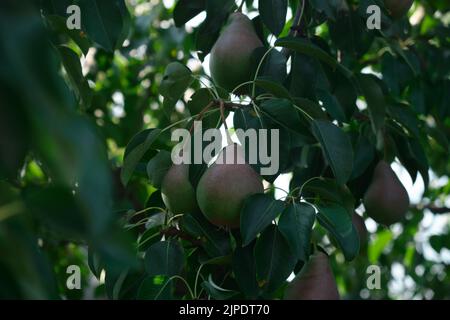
(240, 6)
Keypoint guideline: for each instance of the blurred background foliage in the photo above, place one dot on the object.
(71, 101)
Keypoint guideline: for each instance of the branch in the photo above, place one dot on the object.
(437, 210)
(174, 232)
(295, 28)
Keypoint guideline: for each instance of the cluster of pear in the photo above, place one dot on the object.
(220, 192)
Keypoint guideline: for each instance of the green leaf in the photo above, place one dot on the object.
(164, 258)
(273, 87)
(336, 147)
(313, 109)
(72, 65)
(185, 10)
(332, 105)
(215, 241)
(216, 292)
(274, 259)
(306, 47)
(59, 209)
(217, 12)
(273, 14)
(177, 78)
(155, 288)
(244, 269)
(258, 212)
(296, 224)
(58, 23)
(102, 20)
(377, 246)
(134, 152)
(338, 222)
(199, 101)
(375, 101)
(158, 166)
(283, 111)
(329, 191)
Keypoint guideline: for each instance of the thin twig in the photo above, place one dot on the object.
(295, 26)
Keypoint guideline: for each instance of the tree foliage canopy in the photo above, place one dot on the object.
(85, 122)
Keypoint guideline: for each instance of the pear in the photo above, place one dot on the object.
(386, 200)
(398, 8)
(177, 192)
(230, 61)
(225, 185)
(314, 282)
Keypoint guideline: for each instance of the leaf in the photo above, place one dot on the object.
(177, 78)
(215, 241)
(306, 47)
(329, 191)
(332, 105)
(216, 292)
(58, 23)
(59, 209)
(244, 269)
(376, 247)
(336, 147)
(155, 288)
(313, 109)
(283, 111)
(295, 225)
(274, 260)
(158, 166)
(185, 10)
(135, 151)
(375, 101)
(363, 156)
(199, 101)
(102, 20)
(273, 87)
(164, 258)
(258, 212)
(273, 14)
(72, 65)
(217, 12)
(273, 67)
(338, 222)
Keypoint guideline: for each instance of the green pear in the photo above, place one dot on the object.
(386, 200)
(314, 282)
(225, 185)
(230, 61)
(398, 8)
(177, 192)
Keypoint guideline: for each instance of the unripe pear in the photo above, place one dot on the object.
(177, 191)
(225, 185)
(386, 200)
(315, 281)
(398, 8)
(230, 62)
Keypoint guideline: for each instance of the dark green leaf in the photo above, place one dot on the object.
(338, 222)
(185, 10)
(158, 167)
(258, 212)
(296, 224)
(164, 258)
(273, 14)
(274, 259)
(336, 147)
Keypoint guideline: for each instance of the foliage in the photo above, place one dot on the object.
(85, 122)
